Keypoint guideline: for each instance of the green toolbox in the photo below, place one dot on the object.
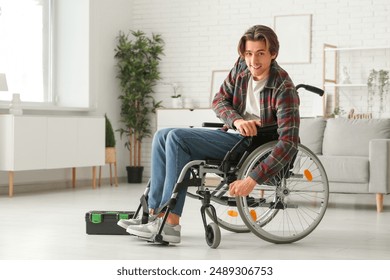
(105, 222)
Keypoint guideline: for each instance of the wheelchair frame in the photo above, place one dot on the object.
(303, 191)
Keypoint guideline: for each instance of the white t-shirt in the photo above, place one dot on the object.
(252, 106)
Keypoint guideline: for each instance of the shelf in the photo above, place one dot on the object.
(328, 49)
(334, 57)
(345, 85)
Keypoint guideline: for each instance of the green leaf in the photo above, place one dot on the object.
(138, 57)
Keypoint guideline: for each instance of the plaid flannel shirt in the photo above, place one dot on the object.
(279, 105)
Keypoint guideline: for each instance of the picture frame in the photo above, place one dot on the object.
(294, 34)
(217, 78)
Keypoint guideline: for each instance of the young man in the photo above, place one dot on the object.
(257, 92)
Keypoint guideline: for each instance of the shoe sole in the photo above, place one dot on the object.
(150, 236)
(171, 239)
(141, 234)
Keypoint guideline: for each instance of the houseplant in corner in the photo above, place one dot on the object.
(138, 57)
(110, 141)
(110, 150)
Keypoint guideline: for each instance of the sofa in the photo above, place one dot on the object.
(354, 152)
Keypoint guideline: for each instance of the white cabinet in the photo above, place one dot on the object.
(49, 142)
(27, 140)
(185, 117)
(62, 145)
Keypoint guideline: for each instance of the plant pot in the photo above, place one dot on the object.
(134, 174)
(110, 155)
(177, 102)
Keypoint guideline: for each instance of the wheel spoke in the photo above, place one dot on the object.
(293, 201)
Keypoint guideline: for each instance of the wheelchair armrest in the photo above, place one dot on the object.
(210, 124)
(267, 129)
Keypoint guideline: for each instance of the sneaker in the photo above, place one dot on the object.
(131, 222)
(169, 233)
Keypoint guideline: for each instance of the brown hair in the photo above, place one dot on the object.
(260, 33)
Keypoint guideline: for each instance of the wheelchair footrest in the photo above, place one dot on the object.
(155, 239)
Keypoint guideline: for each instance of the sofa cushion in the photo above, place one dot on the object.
(350, 137)
(311, 133)
(346, 169)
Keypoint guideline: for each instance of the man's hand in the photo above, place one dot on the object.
(247, 128)
(242, 187)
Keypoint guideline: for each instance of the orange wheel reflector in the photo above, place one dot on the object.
(253, 215)
(308, 175)
(232, 213)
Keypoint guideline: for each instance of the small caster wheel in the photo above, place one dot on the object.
(213, 235)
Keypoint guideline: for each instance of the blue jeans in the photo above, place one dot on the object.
(172, 149)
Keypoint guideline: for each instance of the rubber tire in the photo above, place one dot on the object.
(213, 235)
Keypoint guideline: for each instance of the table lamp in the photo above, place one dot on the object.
(15, 106)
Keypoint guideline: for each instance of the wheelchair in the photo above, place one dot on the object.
(284, 209)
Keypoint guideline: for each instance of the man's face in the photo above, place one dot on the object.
(258, 59)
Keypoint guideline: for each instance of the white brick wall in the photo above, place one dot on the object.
(202, 35)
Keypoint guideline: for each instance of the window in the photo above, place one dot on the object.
(25, 49)
(44, 53)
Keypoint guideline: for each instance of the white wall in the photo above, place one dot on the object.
(108, 17)
(201, 36)
(71, 53)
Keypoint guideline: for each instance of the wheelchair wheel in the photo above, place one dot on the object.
(290, 205)
(213, 235)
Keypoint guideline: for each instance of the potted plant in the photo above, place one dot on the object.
(337, 112)
(176, 98)
(378, 86)
(138, 58)
(110, 142)
(110, 150)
